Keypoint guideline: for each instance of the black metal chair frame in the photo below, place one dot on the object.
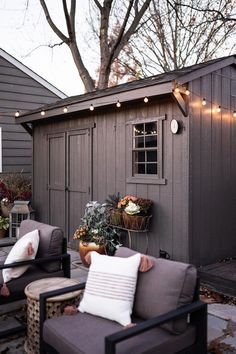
(197, 310)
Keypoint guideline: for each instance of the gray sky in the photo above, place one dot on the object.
(24, 35)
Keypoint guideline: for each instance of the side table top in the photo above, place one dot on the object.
(35, 288)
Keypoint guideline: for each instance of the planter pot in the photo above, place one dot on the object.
(135, 222)
(6, 208)
(3, 233)
(85, 247)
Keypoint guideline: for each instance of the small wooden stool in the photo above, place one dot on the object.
(55, 306)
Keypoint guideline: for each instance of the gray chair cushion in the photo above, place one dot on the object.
(165, 287)
(50, 241)
(17, 286)
(84, 334)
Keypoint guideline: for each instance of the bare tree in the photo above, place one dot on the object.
(133, 11)
(181, 33)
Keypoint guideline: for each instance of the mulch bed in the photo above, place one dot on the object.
(212, 297)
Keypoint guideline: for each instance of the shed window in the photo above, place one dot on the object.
(146, 135)
(145, 148)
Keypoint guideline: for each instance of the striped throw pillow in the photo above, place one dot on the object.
(110, 287)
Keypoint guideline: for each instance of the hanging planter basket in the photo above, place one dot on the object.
(116, 218)
(136, 222)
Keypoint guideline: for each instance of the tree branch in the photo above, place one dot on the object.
(214, 11)
(72, 15)
(131, 30)
(52, 24)
(68, 20)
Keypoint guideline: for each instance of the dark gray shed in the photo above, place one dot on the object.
(87, 154)
(20, 90)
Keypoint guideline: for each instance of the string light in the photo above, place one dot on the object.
(118, 104)
(178, 89)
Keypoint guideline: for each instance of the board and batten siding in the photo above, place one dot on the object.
(111, 149)
(213, 167)
(18, 91)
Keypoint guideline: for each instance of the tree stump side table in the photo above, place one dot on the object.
(55, 306)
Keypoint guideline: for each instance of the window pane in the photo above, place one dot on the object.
(152, 169)
(151, 128)
(139, 156)
(152, 156)
(139, 142)
(151, 141)
(139, 168)
(139, 129)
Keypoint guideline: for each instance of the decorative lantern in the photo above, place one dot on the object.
(21, 210)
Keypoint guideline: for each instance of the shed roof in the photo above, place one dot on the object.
(161, 84)
(31, 73)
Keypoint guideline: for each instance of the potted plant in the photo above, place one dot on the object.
(95, 233)
(13, 186)
(4, 226)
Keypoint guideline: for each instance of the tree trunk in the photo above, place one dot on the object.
(83, 72)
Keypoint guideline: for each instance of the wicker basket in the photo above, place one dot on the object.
(116, 218)
(135, 222)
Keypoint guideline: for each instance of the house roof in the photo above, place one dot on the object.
(31, 73)
(161, 84)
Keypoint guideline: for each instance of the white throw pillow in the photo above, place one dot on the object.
(18, 253)
(110, 287)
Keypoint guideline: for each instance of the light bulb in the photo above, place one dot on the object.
(91, 107)
(145, 99)
(17, 114)
(234, 114)
(187, 92)
(204, 102)
(65, 109)
(118, 104)
(42, 113)
(218, 109)
(177, 89)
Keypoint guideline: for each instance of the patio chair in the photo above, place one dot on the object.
(52, 260)
(168, 315)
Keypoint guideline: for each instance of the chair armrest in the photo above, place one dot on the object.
(35, 261)
(8, 243)
(42, 305)
(200, 321)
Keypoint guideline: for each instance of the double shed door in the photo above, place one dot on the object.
(69, 178)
